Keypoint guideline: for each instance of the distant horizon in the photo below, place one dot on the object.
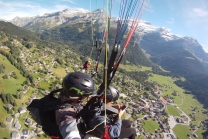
(181, 17)
(113, 17)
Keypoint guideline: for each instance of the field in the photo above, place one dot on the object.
(168, 86)
(181, 131)
(134, 67)
(60, 72)
(44, 85)
(172, 110)
(189, 104)
(3, 114)
(184, 101)
(198, 132)
(10, 85)
(150, 126)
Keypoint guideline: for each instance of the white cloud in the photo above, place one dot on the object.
(10, 10)
(70, 1)
(199, 12)
(198, 17)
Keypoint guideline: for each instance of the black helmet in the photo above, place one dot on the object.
(112, 92)
(78, 84)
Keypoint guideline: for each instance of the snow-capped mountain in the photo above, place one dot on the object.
(147, 35)
(145, 28)
(50, 20)
(80, 15)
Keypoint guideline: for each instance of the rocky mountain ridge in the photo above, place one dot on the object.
(69, 16)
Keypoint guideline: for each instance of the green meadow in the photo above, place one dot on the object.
(189, 103)
(60, 72)
(10, 85)
(172, 110)
(3, 114)
(129, 67)
(44, 85)
(198, 132)
(150, 126)
(181, 131)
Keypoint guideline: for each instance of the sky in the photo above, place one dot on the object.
(181, 17)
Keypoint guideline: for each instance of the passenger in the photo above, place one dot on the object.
(117, 128)
(86, 65)
(76, 87)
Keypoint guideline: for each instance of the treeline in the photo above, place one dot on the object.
(141, 77)
(8, 99)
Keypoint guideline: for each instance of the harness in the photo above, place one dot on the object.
(93, 108)
(43, 112)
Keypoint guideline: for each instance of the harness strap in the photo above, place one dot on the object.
(95, 127)
(106, 133)
(54, 137)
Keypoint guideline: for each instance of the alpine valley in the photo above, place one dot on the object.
(163, 77)
(183, 56)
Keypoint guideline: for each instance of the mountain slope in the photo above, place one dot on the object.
(41, 23)
(182, 56)
(147, 34)
(150, 35)
(80, 37)
(29, 38)
(171, 56)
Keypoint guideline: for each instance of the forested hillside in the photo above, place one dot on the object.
(79, 37)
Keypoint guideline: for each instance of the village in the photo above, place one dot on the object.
(150, 109)
(144, 109)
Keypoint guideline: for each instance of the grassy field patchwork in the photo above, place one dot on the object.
(184, 101)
